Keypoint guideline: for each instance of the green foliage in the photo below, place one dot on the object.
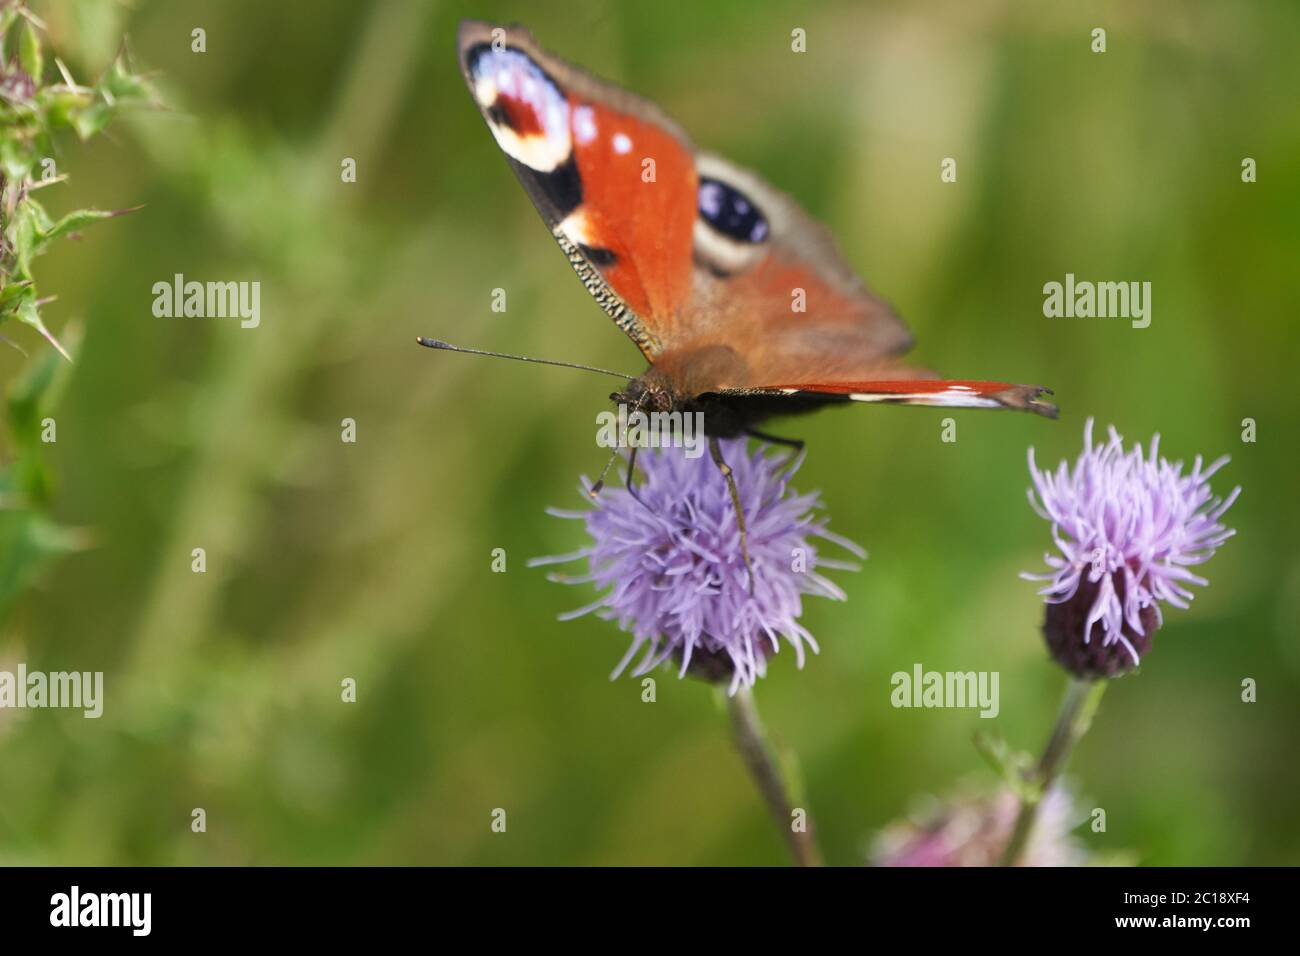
(32, 112)
(29, 537)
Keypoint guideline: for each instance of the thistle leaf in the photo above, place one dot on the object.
(29, 314)
(29, 52)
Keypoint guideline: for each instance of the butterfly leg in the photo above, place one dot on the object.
(715, 450)
(795, 445)
(631, 476)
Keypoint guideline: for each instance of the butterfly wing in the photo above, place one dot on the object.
(652, 228)
(612, 176)
(801, 321)
(934, 392)
(771, 283)
(726, 284)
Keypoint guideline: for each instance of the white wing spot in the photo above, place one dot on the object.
(584, 125)
(510, 73)
(621, 143)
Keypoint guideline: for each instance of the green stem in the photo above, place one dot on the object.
(751, 742)
(1081, 701)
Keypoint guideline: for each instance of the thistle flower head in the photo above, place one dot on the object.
(1128, 527)
(973, 829)
(668, 560)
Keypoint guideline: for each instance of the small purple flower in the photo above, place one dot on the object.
(972, 829)
(1128, 528)
(667, 557)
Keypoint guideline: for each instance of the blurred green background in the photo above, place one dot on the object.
(372, 560)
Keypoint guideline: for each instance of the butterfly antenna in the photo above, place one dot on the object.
(600, 482)
(448, 347)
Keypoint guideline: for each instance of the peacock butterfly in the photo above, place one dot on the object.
(700, 262)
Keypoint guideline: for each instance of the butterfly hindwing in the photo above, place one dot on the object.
(773, 285)
(774, 290)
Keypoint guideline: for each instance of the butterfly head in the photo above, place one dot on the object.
(650, 393)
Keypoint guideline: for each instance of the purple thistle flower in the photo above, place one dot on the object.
(667, 557)
(1128, 528)
(972, 829)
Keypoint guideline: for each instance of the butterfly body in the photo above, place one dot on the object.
(691, 382)
(741, 303)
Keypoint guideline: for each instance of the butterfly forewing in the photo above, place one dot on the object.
(613, 178)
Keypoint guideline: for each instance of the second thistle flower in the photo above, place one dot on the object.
(1129, 527)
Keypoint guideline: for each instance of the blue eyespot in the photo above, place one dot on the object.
(730, 212)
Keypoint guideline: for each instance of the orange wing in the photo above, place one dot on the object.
(651, 227)
(612, 177)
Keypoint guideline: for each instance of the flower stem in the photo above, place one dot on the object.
(1081, 700)
(751, 741)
